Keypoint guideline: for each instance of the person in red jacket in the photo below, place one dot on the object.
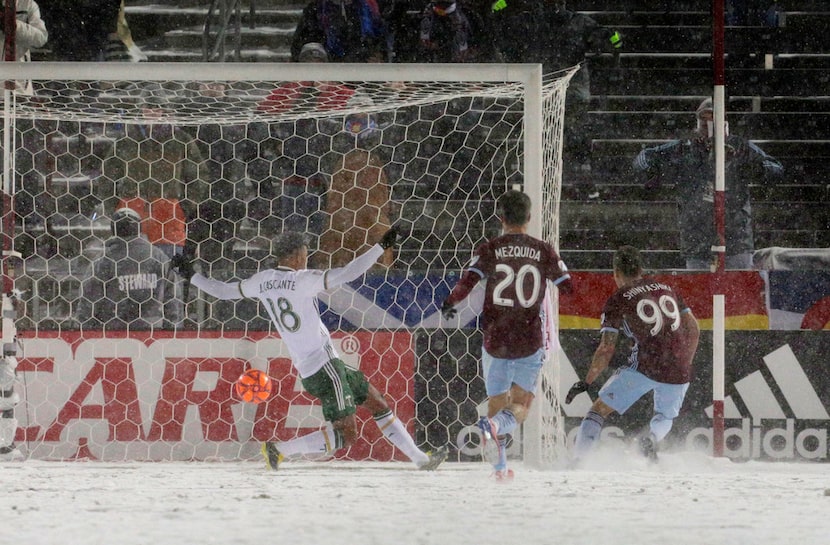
(166, 225)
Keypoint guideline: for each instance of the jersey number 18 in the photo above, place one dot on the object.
(286, 318)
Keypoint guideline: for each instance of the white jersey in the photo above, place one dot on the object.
(290, 297)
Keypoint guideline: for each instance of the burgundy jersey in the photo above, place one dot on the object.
(648, 312)
(516, 267)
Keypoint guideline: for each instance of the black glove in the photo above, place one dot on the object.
(182, 266)
(389, 239)
(447, 310)
(578, 388)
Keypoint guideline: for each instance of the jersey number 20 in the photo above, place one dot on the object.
(517, 281)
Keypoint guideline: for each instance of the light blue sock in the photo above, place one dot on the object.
(660, 426)
(588, 433)
(505, 420)
(502, 464)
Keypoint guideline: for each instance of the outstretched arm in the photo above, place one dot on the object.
(355, 268)
(220, 290)
(460, 292)
(464, 286)
(770, 166)
(363, 262)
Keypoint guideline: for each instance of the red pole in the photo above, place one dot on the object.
(719, 74)
(718, 355)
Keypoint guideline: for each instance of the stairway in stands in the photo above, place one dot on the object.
(778, 84)
(173, 30)
(778, 87)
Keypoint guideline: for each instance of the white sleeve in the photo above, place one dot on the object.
(354, 269)
(220, 290)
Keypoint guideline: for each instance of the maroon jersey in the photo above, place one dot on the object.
(516, 267)
(648, 312)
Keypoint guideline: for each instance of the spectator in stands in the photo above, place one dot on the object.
(291, 186)
(568, 38)
(166, 229)
(358, 197)
(313, 52)
(689, 164)
(314, 95)
(160, 155)
(292, 193)
(129, 197)
(445, 32)
(127, 287)
(120, 46)
(166, 226)
(350, 31)
(30, 32)
(752, 13)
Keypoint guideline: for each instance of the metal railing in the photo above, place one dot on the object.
(228, 12)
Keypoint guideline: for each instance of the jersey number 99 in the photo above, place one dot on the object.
(654, 313)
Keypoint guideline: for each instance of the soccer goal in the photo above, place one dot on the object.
(233, 154)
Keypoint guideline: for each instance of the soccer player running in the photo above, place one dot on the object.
(289, 294)
(665, 335)
(516, 268)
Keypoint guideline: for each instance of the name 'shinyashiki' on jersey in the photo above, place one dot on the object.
(517, 268)
(648, 312)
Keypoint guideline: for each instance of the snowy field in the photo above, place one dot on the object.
(685, 499)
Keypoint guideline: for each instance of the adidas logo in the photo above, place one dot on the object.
(794, 389)
(786, 395)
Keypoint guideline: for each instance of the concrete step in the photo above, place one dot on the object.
(173, 30)
(262, 36)
(150, 20)
(167, 54)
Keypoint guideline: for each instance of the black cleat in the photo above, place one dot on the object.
(648, 447)
(273, 457)
(436, 458)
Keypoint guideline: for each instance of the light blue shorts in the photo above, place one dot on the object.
(500, 374)
(626, 386)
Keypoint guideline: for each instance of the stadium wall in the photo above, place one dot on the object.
(169, 395)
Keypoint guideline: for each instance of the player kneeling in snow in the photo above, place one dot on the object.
(665, 336)
(289, 294)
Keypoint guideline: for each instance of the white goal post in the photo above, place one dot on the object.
(247, 150)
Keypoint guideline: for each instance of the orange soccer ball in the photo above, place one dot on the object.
(254, 386)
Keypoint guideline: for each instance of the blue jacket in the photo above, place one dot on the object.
(690, 166)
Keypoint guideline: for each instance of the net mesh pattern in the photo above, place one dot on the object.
(217, 169)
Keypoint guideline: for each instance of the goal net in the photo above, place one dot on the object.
(121, 360)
